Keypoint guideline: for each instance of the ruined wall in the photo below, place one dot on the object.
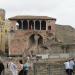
(21, 38)
(2, 14)
(53, 26)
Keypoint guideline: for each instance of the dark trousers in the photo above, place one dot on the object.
(69, 71)
(2, 72)
(21, 72)
(25, 72)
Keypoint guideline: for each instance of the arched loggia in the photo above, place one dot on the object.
(31, 24)
(37, 25)
(43, 25)
(25, 25)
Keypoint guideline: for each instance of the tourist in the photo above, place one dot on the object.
(13, 68)
(20, 68)
(26, 67)
(69, 64)
(1, 68)
(67, 67)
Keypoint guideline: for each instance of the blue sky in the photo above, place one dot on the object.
(62, 10)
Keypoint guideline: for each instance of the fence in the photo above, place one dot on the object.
(49, 69)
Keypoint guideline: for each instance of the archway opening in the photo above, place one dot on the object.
(36, 39)
(37, 25)
(43, 25)
(31, 25)
(25, 25)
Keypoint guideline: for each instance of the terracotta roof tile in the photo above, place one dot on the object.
(31, 17)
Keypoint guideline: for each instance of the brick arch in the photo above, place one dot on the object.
(32, 39)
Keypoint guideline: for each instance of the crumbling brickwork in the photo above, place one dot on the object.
(24, 39)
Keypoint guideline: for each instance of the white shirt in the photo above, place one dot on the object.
(71, 63)
(67, 66)
(13, 68)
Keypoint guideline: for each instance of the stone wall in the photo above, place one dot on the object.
(20, 40)
(2, 14)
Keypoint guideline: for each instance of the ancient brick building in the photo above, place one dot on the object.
(30, 33)
(35, 34)
(22, 35)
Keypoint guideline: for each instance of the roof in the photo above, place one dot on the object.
(31, 17)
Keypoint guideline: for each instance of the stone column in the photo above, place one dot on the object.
(46, 26)
(40, 24)
(22, 24)
(34, 24)
(28, 24)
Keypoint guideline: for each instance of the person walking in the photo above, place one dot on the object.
(69, 64)
(13, 68)
(1, 67)
(67, 67)
(26, 67)
(20, 68)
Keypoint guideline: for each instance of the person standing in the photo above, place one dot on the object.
(67, 67)
(13, 68)
(26, 67)
(20, 68)
(69, 64)
(1, 67)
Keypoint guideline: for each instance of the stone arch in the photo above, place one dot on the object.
(32, 40)
(43, 25)
(37, 25)
(25, 25)
(31, 24)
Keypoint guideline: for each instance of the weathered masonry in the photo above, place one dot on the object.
(30, 33)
